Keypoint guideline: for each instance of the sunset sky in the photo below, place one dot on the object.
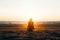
(22, 10)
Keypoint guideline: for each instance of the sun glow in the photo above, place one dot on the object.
(31, 15)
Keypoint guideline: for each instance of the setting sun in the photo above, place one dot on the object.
(30, 15)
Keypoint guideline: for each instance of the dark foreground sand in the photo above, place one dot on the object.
(10, 32)
(24, 35)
